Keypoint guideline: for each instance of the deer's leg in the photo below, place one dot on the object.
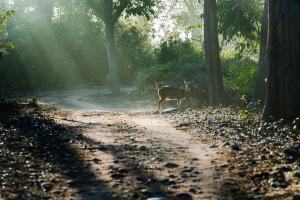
(159, 104)
(179, 102)
(164, 103)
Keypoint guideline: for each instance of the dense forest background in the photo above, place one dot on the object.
(59, 44)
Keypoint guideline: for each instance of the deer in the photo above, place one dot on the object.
(171, 93)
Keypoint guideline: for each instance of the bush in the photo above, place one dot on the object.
(239, 75)
(134, 48)
(175, 61)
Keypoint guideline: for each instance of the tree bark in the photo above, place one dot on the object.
(260, 84)
(283, 50)
(113, 72)
(212, 53)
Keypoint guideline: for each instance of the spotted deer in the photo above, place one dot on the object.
(166, 93)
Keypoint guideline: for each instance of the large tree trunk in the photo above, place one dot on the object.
(212, 53)
(260, 84)
(113, 75)
(283, 50)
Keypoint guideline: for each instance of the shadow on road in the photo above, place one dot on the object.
(132, 167)
(37, 157)
(38, 161)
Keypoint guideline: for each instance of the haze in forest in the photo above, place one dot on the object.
(61, 44)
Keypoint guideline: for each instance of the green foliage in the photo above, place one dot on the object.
(239, 75)
(134, 48)
(69, 51)
(64, 52)
(251, 111)
(175, 61)
(143, 8)
(4, 45)
(239, 21)
(4, 16)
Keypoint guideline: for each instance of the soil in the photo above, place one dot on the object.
(97, 146)
(141, 155)
(88, 152)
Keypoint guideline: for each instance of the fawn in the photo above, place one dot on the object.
(171, 93)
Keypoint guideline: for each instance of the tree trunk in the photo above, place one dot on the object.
(283, 50)
(113, 72)
(212, 53)
(260, 84)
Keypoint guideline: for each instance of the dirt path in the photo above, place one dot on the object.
(97, 146)
(134, 153)
(114, 148)
(140, 156)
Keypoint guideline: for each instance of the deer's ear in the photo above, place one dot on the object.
(157, 84)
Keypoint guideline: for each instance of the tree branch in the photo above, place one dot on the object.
(119, 10)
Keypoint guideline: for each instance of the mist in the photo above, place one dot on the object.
(62, 45)
(56, 46)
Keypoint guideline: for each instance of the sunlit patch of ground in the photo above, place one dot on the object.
(118, 147)
(135, 150)
(99, 99)
(87, 154)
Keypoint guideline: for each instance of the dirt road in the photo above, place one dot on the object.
(135, 153)
(96, 146)
(141, 155)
